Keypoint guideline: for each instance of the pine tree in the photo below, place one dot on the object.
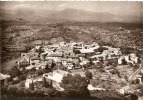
(51, 84)
(31, 86)
(45, 84)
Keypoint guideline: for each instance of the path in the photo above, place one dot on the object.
(135, 73)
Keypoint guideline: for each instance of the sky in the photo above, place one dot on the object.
(114, 7)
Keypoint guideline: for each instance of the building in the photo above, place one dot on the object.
(35, 61)
(54, 57)
(23, 62)
(56, 75)
(99, 57)
(3, 77)
(74, 58)
(69, 65)
(29, 81)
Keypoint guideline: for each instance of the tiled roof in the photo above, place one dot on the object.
(36, 58)
(54, 55)
(73, 56)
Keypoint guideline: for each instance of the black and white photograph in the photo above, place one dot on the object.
(71, 50)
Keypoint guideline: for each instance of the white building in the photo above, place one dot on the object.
(56, 75)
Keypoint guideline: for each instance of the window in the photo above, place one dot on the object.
(33, 63)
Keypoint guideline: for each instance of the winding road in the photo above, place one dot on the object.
(135, 73)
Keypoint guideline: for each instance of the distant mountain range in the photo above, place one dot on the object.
(67, 15)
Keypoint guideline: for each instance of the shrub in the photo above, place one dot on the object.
(22, 77)
(39, 72)
(20, 91)
(134, 97)
(12, 89)
(22, 84)
(14, 72)
(88, 74)
(137, 81)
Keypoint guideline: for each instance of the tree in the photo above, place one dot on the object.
(6, 82)
(51, 92)
(76, 51)
(22, 77)
(22, 84)
(45, 83)
(33, 70)
(137, 81)
(39, 72)
(4, 89)
(134, 97)
(75, 86)
(38, 92)
(20, 91)
(31, 86)
(14, 72)
(101, 49)
(28, 92)
(12, 89)
(124, 62)
(88, 74)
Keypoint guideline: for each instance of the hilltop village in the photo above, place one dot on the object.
(102, 65)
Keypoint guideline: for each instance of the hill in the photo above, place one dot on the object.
(68, 14)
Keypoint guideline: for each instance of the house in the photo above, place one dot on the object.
(56, 75)
(79, 45)
(64, 61)
(83, 63)
(25, 55)
(87, 51)
(120, 60)
(128, 60)
(49, 63)
(91, 87)
(134, 58)
(35, 61)
(33, 55)
(23, 62)
(97, 62)
(74, 58)
(29, 67)
(62, 44)
(59, 62)
(54, 46)
(81, 57)
(29, 81)
(54, 57)
(112, 51)
(94, 44)
(99, 57)
(3, 77)
(69, 65)
(125, 89)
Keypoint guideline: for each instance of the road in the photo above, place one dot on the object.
(135, 73)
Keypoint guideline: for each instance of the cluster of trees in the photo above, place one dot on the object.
(75, 86)
(136, 81)
(21, 90)
(107, 95)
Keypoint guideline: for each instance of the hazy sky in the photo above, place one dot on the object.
(124, 7)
